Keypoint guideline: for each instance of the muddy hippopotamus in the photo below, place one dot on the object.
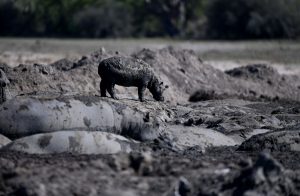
(77, 141)
(126, 71)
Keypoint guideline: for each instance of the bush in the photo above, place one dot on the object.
(110, 19)
(177, 18)
(246, 19)
(12, 21)
(223, 19)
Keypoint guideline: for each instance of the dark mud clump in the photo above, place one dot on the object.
(255, 72)
(282, 141)
(204, 95)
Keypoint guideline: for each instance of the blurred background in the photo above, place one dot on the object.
(180, 19)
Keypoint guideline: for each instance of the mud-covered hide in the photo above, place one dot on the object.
(4, 140)
(23, 116)
(76, 142)
(26, 116)
(278, 141)
(181, 137)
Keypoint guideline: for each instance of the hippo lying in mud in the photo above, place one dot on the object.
(127, 72)
(75, 142)
(3, 82)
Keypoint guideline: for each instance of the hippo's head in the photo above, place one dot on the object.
(157, 90)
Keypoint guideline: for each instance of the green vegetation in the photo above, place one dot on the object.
(244, 19)
(183, 19)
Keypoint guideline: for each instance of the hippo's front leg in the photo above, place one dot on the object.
(141, 90)
(103, 87)
(111, 91)
(2, 92)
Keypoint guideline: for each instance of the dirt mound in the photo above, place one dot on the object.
(269, 80)
(28, 79)
(283, 141)
(184, 72)
(254, 72)
(258, 82)
(62, 77)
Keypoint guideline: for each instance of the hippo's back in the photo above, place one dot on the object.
(123, 63)
(125, 67)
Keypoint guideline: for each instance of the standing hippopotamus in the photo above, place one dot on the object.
(127, 72)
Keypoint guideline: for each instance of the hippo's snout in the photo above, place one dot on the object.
(159, 98)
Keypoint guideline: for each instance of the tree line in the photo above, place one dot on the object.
(182, 19)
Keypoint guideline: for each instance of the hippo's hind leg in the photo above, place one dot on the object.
(103, 87)
(141, 91)
(111, 90)
(2, 91)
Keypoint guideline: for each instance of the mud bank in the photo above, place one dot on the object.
(210, 146)
(182, 70)
(162, 172)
